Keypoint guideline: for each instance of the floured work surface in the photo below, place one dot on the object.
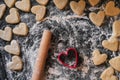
(69, 30)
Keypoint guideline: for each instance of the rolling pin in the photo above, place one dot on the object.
(38, 70)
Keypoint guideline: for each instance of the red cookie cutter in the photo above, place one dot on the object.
(66, 54)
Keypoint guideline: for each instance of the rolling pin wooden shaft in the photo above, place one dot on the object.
(38, 70)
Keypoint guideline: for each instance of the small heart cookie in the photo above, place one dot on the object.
(111, 44)
(115, 63)
(13, 48)
(116, 28)
(14, 16)
(40, 12)
(21, 30)
(10, 3)
(111, 10)
(6, 34)
(43, 2)
(98, 58)
(94, 2)
(60, 4)
(23, 5)
(2, 10)
(79, 7)
(98, 18)
(16, 64)
(108, 74)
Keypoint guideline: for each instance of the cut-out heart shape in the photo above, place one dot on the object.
(98, 18)
(108, 74)
(116, 28)
(10, 3)
(23, 5)
(60, 4)
(21, 30)
(66, 54)
(2, 10)
(16, 64)
(6, 34)
(98, 58)
(94, 2)
(79, 7)
(13, 48)
(14, 16)
(111, 44)
(43, 2)
(111, 10)
(40, 12)
(115, 63)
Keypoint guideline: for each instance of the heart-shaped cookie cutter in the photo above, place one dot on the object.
(66, 54)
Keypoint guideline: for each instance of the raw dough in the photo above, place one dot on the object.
(2, 10)
(14, 16)
(40, 12)
(10, 3)
(23, 5)
(21, 30)
(79, 7)
(16, 64)
(6, 34)
(13, 48)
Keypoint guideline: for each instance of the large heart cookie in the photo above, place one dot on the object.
(6, 34)
(23, 5)
(98, 58)
(79, 7)
(108, 74)
(111, 10)
(115, 63)
(14, 16)
(22, 29)
(16, 63)
(98, 18)
(94, 2)
(2, 10)
(10, 3)
(111, 44)
(40, 12)
(60, 4)
(116, 28)
(43, 2)
(13, 48)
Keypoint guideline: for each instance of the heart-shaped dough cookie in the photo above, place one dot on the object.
(111, 10)
(40, 12)
(13, 48)
(116, 28)
(21, 30)
(108, 74)
(16, 64)
(98, 58)
(94, 2)
(2, 10)
(6, 34)
(14, 16)
(43, 2)
(79, 7)
(115, 63)
(60, 4)
(98, 18)
(111, 44)
(23, 5)
(10, 3)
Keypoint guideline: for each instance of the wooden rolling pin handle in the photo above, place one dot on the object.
(38, 70)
